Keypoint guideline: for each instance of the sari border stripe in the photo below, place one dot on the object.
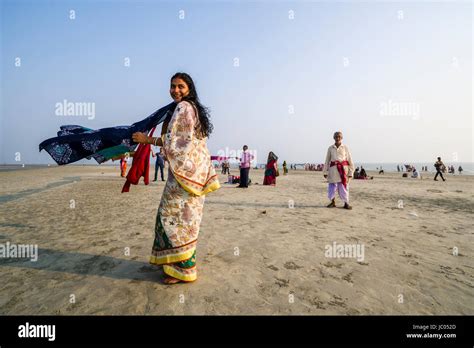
(178, 275)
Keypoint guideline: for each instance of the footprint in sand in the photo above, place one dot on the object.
(291, 265)
(331, 265)
(273, 268)
(409, 255)
(282, 282)
(435, 234)
(348, 278)
(317, 303)
(338, 302)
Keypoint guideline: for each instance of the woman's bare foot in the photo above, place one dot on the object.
(171, 280)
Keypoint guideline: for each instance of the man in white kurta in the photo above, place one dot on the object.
(338, 168)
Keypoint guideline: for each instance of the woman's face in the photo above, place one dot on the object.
(178, 89)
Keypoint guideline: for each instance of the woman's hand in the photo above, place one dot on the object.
(140, 138)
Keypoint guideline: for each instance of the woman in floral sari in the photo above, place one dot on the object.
(271, 170)
(191, 177)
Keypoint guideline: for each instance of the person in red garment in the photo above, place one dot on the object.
(140, 166)
(271, 170)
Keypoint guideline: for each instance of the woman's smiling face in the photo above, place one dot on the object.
(178, 89)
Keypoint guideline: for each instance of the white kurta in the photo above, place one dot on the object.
(340, 154)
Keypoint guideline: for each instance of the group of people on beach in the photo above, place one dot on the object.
(440, 168)
(271, 168)
(361, 174)
(191, 176)
(338, 169)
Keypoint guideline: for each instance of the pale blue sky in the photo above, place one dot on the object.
(335, 64)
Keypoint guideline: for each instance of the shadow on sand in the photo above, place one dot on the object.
(88, 264)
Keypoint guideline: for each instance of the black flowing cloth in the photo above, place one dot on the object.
(74, 142)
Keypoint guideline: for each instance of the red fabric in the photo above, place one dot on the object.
(140, 166)
(340, 169)
(219, 158)
(270, 169)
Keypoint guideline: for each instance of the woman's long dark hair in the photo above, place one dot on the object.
(203, 112)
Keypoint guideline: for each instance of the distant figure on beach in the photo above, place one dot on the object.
(362, 175)
(439, 165)
(191, 176)
(460, 170)
(338, 169)
(285, 168)
(414, 173)
(245, 160)
(123, 165)
(381, 171)
(271, 170)
(225, 167)
(356, 173)
(398, 168)
(159, 164)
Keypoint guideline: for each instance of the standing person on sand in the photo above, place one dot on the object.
(271, 170)
(123, 166)
(245, 160)
(159, 164)
(439, 169)
(191, 176)
(337, 169)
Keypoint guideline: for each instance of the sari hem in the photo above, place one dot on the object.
(173, 272)
(168, 259)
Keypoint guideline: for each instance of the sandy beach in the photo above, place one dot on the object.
(262, 250)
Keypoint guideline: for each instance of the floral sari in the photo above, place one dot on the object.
(191, 177)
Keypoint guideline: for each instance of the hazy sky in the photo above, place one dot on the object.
(395, 78)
